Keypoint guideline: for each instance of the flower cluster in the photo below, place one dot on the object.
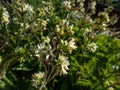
(64, 28)
(52, 48)
(27, 8)
(67, 4)
(64, 64)
(47, 7)
(71, 45)
(43, 50)
(5, 16)
(92, 7)
(49, 36)
(92, 47)
(38, 79)
(104, 16)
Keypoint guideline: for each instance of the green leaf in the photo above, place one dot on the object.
(84, 82)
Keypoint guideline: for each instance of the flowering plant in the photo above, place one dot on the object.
(54, 42)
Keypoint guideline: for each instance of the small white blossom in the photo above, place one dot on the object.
(67, 4)
(22, 24)
(64, 64)
(27, 8)
(41, 12)
(71, 27)
(64, 23)
(37, 78)
(43, 50)
(93, 4)
(105, 16)
(71, 45)
(108, 84)
(63, 27)
(70, 30)
(59, 30)
(92, 47)
(5, 16)
(38, 75)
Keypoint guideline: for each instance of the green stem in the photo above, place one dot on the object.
(8, 82)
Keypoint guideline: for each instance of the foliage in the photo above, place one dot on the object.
(57, 46)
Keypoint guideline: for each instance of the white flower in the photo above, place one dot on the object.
(93, 4)
(67, 4)
(92, 47)
(63, 27)
(27, 8)
(22, 24)
(59, 30)
(43, 50)
(64, 23)
(71, 45)
(5, 16)
(38, 75)
(70, 30)
(105, 16)
(64, 64)
(38, 78)
(108, 83)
